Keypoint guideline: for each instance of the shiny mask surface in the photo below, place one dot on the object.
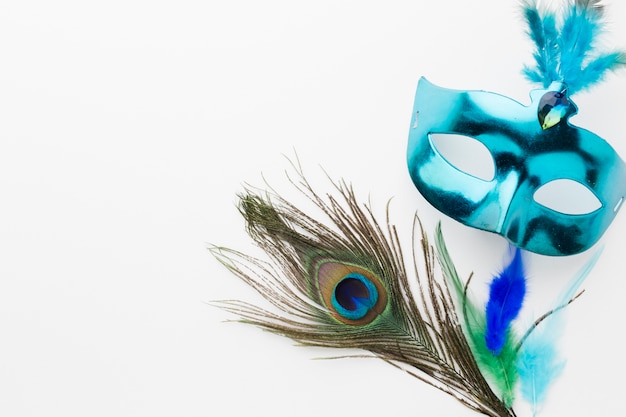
(531, 146)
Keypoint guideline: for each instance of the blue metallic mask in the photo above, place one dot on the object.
(531, 146)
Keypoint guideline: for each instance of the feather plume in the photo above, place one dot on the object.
(500, 369)
(568, 52)
(506, 295)
(343, 283)
(538, 361)
(543, 32)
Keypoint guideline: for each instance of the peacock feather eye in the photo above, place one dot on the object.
(353, 295)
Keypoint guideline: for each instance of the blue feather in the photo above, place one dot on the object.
(506, 296)
(568, 53)
(538, 360)
(581, 26)
(538, 365)
(542, 30)
(550, 49)
(597, 68)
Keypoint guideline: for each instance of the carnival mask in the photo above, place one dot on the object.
(531, 146)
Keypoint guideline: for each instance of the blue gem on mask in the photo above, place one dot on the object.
(553, 107)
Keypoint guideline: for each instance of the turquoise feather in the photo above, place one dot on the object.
(543, 32)
(539, 362)
(568, 52)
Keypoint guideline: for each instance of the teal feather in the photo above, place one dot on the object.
(597, 68)
(568, 52)
(538, 365)
(581, 26)
(539, 362)
(341, 282)
(543, 32)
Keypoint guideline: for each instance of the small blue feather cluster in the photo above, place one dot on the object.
(566, 45)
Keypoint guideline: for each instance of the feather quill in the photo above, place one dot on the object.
(538, 361)
(417, 331)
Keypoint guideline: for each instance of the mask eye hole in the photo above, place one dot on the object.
(465, 154)
(567, 197)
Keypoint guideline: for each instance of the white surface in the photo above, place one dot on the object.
(127, 128)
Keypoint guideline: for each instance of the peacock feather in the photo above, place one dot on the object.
(342, 282)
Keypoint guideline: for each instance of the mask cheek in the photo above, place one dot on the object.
(560, 217)
(547, 234)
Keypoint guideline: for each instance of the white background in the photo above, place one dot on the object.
(128, 127)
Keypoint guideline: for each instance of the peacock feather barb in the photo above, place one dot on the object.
(343, 283)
